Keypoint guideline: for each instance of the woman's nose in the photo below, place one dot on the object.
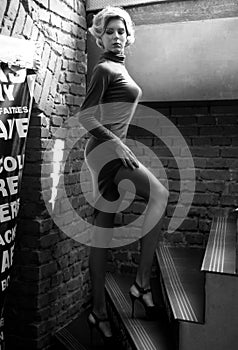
(115, 34)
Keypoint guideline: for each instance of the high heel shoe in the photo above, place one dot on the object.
(94, 323)
(152, 312)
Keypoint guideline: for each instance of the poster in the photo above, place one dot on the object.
(16, 93)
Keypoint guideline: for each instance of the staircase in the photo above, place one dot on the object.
(197, 290)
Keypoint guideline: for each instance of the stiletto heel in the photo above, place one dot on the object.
(108, 341)
(133, 299)
(90, 325)
(152, 312)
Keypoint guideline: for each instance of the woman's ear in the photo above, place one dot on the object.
(127, 41)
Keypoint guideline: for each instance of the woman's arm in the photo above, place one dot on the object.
(87, 115)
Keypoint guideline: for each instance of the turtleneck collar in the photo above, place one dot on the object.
(116, 57)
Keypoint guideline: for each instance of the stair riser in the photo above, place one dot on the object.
(220, 329)
(174, 324)
(118, 327)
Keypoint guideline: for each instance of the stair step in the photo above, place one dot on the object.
(183, 281)
(67, 339)
(220, 256)
(76, 336)
(143, 334)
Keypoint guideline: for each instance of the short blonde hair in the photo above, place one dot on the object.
(102, 18)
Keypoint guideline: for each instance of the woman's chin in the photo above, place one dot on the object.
(117, 49)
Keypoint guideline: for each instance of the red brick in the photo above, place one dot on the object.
(59, 8)
(19, 22)
(225, 110)
(46, 90)
(227, 120)
(189, 111)
(234, 141)
(200, 186)
(204, 225)
(220, 141)
(194, 238)
(205, 199)
(231, 130)
(56, 21)
(75, 78)
(229, 152)
(73, 284)
(81, 44)
(206, 120)
(233, 188)
(3, 6)
(175, 237)
(212, 130)
(13, 9)
(214, 174)
(45, 56)
(216, 187)
(48, 240)
(200, 152)
(216, 163)
(231, 201)
(189, 120)
(201, 141)
(189, 131)
(80, 20)
(28, 27)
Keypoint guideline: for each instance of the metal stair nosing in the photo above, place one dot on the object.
(135, 330)
(68, 340)
(178, 300)
(220, 256)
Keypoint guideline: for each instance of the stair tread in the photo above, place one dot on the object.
(76, 335)
(220, 256)
(66, 338)
(183, 281)
(143, 333)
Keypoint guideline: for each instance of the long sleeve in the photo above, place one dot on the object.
(87, 116)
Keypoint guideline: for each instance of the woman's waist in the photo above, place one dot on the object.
(100, 147)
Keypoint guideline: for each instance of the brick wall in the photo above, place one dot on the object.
(50, 280)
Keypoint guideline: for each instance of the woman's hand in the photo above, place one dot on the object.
(127, 156)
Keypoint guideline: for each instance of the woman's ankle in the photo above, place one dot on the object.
(142, 282)
(100, 312)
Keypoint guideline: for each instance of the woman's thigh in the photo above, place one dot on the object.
(146, 184)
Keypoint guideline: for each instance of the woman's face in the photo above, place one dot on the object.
(114, 38)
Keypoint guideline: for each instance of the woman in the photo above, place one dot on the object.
(112, 86)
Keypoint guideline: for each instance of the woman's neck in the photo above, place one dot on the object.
(116, 57)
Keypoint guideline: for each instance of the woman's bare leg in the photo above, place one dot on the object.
(156, 195)
(103, 228)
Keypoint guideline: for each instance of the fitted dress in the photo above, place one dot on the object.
(106, 112)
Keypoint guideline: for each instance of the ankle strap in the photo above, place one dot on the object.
(98, 319)
(142, 290)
